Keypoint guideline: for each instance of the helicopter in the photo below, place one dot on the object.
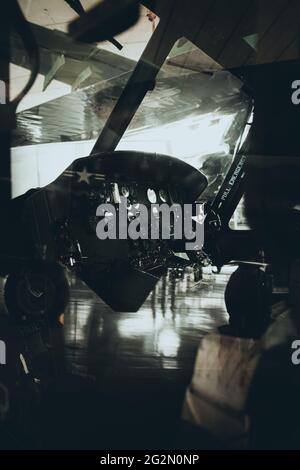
(187, 87)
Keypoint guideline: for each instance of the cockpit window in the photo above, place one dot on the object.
(196, 112)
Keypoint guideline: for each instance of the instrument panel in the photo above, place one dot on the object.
(142, 253)
(149, 195)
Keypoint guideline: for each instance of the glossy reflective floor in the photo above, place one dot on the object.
(125, 374)
(158, 341)
(142, 362)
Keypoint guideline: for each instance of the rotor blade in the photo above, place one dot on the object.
(76, 6)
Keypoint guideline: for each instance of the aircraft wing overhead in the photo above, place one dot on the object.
(82, 114)
(73, 117)
(77, 58)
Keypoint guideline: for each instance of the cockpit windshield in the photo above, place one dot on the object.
(196, 112)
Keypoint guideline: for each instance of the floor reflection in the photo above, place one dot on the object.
(123, 375)
(162, 335)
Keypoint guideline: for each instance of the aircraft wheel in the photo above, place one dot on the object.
(37, 292)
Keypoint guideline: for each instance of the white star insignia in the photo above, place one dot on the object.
(84, 176)
(200, 217)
